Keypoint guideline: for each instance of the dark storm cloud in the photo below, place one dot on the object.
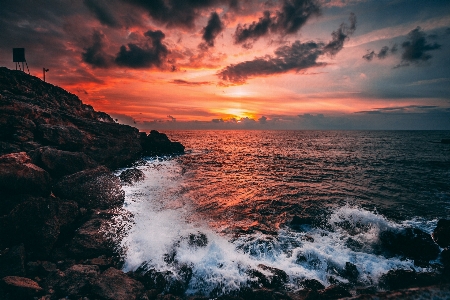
(178, 13)
(382, 54)
(101, 11)
(95, 55)
(288, 20)
(296, 57)
(340, 36)
(416, 48)
(144, 56)
(253, 31)
(401, 109)
(212, 29)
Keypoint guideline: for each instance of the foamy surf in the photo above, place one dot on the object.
(164, 235)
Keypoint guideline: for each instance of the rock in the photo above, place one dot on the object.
(76, 281)
(19, 176)
(90, 241)
(399, 279)
(132, 175)
(93, 188)
(277, 279)
(60, 163)
(312, 284)
(64, 137)
(156, 143)
(445, 258)
(441, 233)
(20, 287)
(410, 242)
(38, 223)
(12, 261)
(115, 285)
(298, 221)
(350, 272)
(334, 292)
(197, 240)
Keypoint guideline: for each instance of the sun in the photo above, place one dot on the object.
(238, 113)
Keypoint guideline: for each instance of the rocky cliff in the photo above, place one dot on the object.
(57, 193)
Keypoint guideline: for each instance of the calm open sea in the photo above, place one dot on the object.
(241, 189)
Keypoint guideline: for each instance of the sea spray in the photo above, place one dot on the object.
(166, 234)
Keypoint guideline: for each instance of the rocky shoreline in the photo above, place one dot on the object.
(58, 196)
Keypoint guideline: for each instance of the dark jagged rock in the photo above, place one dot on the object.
(115, 285)
(399, 279)
(156, 143)
(312, 284)
(445, 258)
(19, 176)
(350, 272)
(441, 233)
(59, 163)
(76, 281)
(38, 223)
(410, 242)
(93, 188)
(12, 261)
(198, 240)
(334, 292)
(132, 175)
(90, 241)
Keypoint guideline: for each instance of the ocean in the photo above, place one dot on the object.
(225, 209)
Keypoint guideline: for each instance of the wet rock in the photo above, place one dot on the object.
(334, 292)
(115, 285)
(12, 261)
(297, 222)
(93, 188)
(19, 176)
(312, 284)
(76, 281)
(445, 258)
(90, 241)
(410, 242)
(60, 163)
(350, 272)
(277, 277)
(441, 233)
(38, 223)
(399, 279)
(198, 240)
(132, 175)
(156, 143)
(20, 287)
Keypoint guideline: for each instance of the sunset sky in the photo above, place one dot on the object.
(237, 64)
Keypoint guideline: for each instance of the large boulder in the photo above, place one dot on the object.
(76, 281)
(410, 242)
(12, 261)
(38, 223)
(131, 176)
(19, 176)
(90, 240)
(93, 188)
(62, 136)
(113, 284)
(20, 287)
(441, 233)
(156, 143)
(60, 163)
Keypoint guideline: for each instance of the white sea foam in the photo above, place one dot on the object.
(163, 220)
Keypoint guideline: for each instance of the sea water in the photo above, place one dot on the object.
(237, 192)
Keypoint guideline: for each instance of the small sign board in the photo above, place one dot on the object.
(19, 55)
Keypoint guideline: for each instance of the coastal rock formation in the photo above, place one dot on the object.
(441, 233)
(57, 192)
